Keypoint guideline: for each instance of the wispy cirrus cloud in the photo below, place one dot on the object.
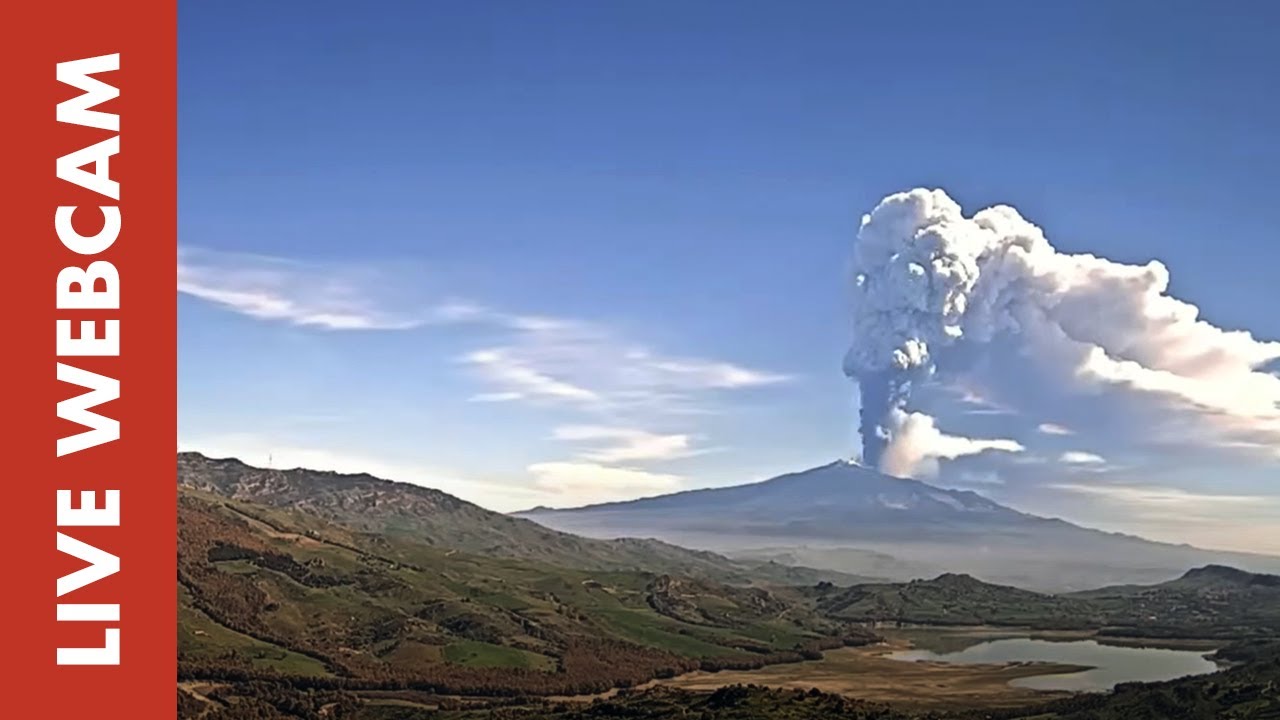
(1080, 457)
(522, 381)
(619, 444)
(616, 386)
(537, 358)
(297, 293)
(548, 360)
(1054, 429)
(711, 374)
(1153, 495)
(1177, 510)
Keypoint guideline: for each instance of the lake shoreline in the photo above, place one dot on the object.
(869, 673)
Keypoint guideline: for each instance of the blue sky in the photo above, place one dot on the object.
(568, 251)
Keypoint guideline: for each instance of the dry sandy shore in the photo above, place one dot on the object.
(866, 673)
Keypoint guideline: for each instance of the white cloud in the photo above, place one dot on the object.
(331, 296)
(303, 294)
(497, 397)
(1053, 429)
(591, 367)
(1080, 457)
(537, 358)
(919, 444)
(617, 444)
(578, 483)
(520, 380)
(710, 374)
(1134, 495)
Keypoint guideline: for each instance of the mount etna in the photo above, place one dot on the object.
(847, 517)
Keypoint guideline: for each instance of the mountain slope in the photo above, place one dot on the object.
(264, 591)
(839, 500)
(841, 515)
(429, 516)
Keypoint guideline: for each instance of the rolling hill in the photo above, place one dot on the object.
(1210, 601)
(850, 518)
(955, 599)
(265, 593)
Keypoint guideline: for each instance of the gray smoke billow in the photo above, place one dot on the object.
(929, 285)
(882, 393)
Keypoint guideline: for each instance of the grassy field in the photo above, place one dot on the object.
(201, 639)
(474, 653)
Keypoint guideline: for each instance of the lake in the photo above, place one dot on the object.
(1111, 664)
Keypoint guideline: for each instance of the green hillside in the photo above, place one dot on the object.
(1213, 601)
(262, 591)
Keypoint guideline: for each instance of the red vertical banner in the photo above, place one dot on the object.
(90, 209)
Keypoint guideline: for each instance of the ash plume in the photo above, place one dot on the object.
(933, 289)
(883, 392)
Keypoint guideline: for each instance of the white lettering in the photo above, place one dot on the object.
(76, 409)
(89, 514)
(87, 244)
(76, 110)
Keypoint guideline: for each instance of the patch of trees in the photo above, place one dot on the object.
(734, 702)
(588, 666)
(270, 700)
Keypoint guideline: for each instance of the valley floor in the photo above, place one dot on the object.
(848, 683)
